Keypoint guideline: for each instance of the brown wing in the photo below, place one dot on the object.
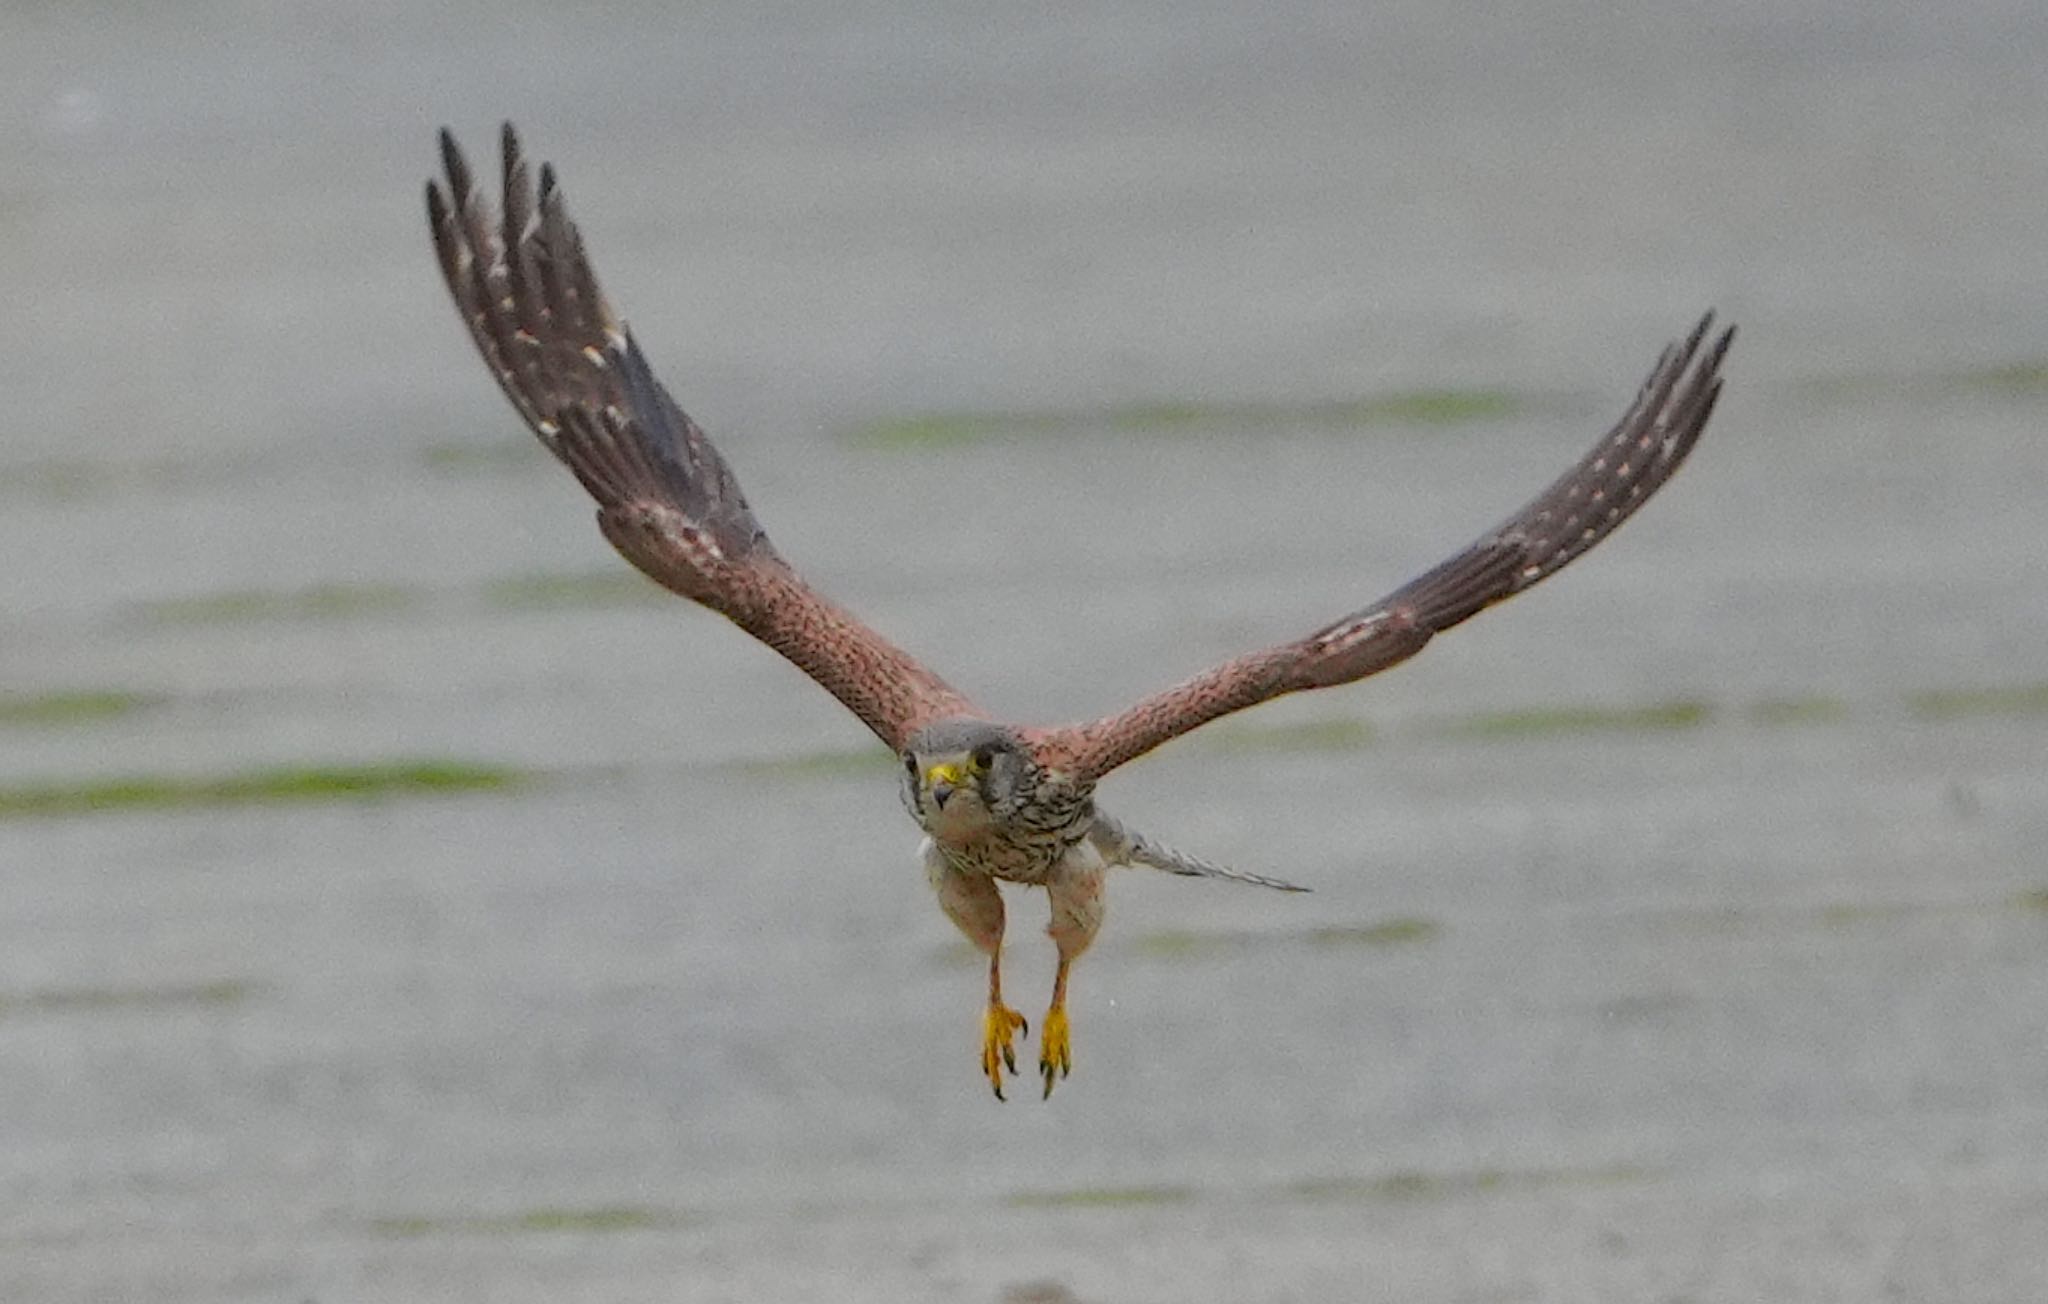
(1583, 507)
(666, 499)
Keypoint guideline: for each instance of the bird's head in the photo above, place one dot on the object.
(963, 777)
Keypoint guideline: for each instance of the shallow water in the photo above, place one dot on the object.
(1678, 931)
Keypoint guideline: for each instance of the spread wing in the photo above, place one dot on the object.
(1583, 507)
(666, 499)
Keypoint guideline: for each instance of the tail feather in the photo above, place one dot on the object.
(1121, 846)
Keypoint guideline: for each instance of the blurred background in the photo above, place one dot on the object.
(403, 900)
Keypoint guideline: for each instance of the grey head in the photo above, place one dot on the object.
(961, 777)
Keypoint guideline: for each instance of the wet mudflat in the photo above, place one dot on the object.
(404, 902)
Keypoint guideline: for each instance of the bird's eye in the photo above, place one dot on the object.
(910, 766)
(984, 756)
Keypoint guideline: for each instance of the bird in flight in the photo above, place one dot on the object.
(996, 800)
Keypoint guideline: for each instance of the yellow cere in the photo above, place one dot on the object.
(944, 772)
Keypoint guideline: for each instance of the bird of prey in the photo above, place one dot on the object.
(996, 800)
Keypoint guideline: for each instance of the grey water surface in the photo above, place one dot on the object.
(1680, 930)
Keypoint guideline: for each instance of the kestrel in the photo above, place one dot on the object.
(996, 801)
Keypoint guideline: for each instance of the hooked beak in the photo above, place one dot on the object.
(943, 780)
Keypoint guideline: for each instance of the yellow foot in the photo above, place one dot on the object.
(999, 1023)
(1055, 1054)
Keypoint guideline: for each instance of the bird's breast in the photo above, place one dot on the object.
(1027, 856)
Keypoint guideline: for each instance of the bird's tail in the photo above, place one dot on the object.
(1121, 846)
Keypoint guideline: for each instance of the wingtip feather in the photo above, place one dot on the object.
(460, 182)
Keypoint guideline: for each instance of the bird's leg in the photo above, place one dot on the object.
(975, 905)
(998, 1024)
(1055, 1051)
(1075, 892)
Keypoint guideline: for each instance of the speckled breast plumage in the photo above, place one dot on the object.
(1014, 856)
